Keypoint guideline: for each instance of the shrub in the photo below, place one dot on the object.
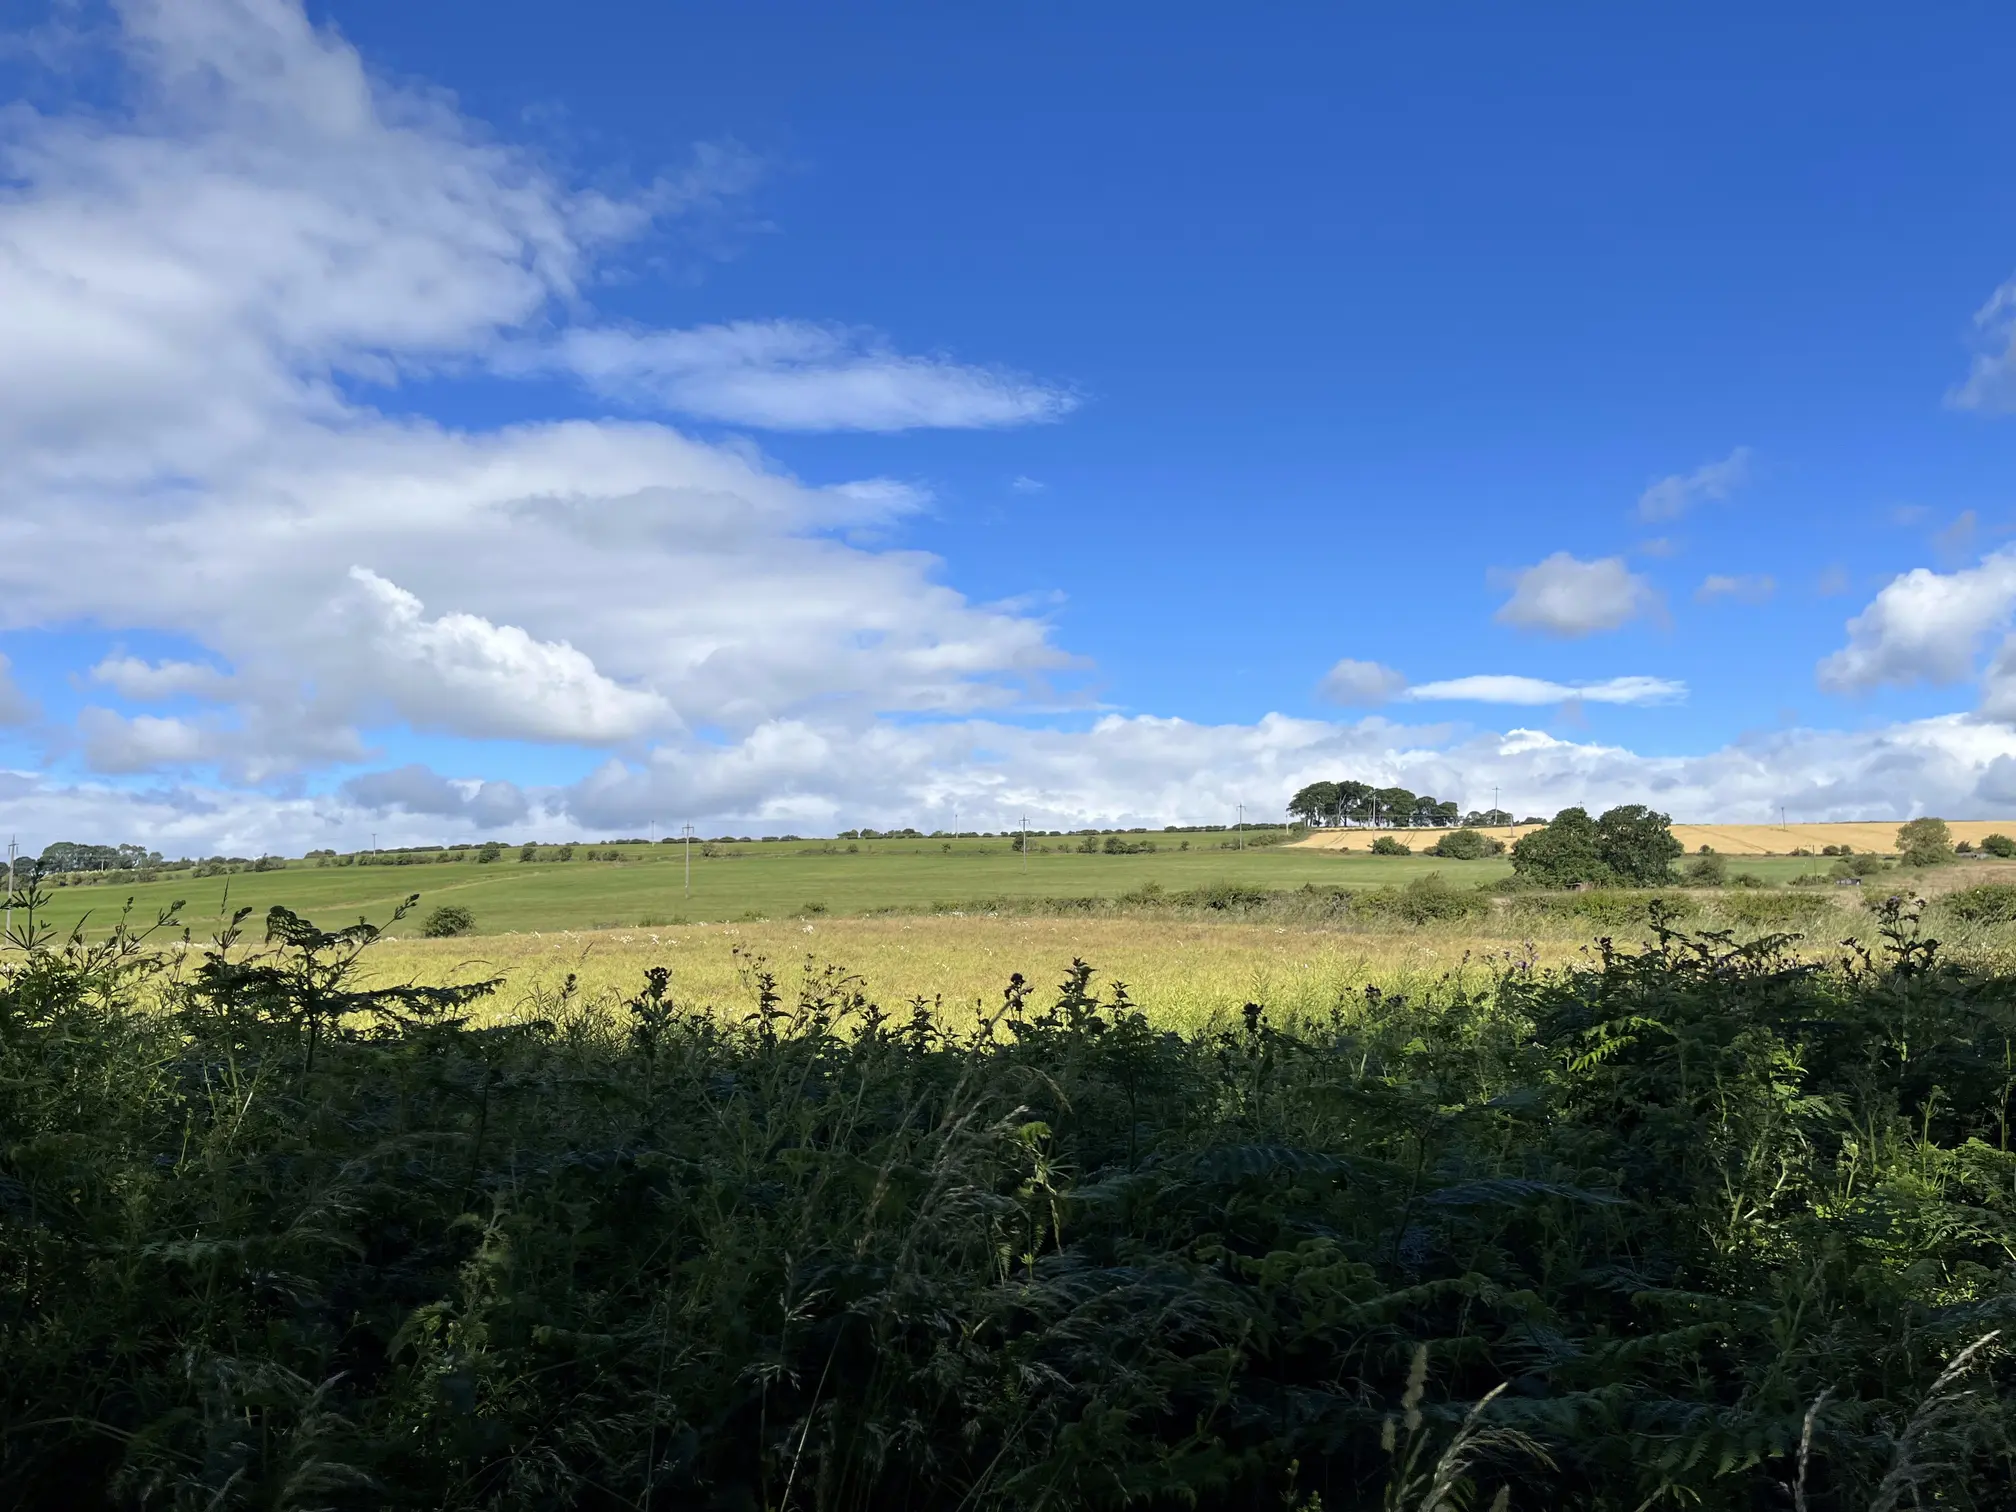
(1706, 870)
(1999, 845)
(1386, 845)
(528, 853)
(1988, 903)
(1466, 845)
(448, 920)
(489, 852)
(1431, 900)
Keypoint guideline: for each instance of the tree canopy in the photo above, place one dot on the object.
(1346, 803)
(1924, 842)
(1630, 843)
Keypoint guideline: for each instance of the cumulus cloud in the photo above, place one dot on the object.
(1535, 691)
(1924, 626)
(1744, 590)
(1674, 495)
(460, 672)
(202, 284)
(1568, 597)
(1359, 682)
(796, 375)
(417, 789)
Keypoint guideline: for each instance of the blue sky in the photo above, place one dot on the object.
(457, 419)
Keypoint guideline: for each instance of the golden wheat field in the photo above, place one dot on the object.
(1186, 973)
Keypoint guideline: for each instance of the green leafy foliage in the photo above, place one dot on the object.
(1924, 842)
(1386, 845)
(1989, 903)
(1697, 1225)
(1630, 844)
(447, 921)
(1999, 845)
(1466, 845)
(1565, 852)
(1706, 870)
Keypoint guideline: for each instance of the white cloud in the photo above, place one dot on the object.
(1022, 483)
(462, 673)
(199, 284)
(1991, 380)
(1569, 597)
(16, 707)
(154, 682)
(1924, 626)
(795, 375)
(1535, 691)
(1744, 590)
(1674, 495)
(1359, 682)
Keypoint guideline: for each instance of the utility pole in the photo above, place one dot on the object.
(1242, 826)
(689, 860)
(13, 849)
(1025, 845)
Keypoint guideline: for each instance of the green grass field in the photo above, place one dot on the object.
(762, 880)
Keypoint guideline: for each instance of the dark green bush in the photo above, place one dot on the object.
(1425, 900)
(1466, 845)
(1987, 903)
(448, 920)
(1705, 870)
(1386, 845)
(1999, 845)
(1710, 1223)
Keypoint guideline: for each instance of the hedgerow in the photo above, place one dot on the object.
(1692, 1225)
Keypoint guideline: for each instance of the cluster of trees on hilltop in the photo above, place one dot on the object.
(68, 856)
(1332, 805)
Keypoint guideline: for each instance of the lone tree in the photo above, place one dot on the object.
(1637, 844)
(1924, 842)
(1562, 854)
(1630, 843)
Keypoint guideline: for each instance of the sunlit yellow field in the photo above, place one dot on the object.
(1185, 973)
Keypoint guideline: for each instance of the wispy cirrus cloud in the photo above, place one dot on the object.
(1534, 692)
(1675, 494)
(804, 376)
(1754, 589)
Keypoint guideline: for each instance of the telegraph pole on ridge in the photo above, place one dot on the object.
(688, 835)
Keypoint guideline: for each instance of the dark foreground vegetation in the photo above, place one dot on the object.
(1695, 1226)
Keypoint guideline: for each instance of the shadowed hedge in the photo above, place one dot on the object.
(1633, 1231)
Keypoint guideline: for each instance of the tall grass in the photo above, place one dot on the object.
(1693, 1224)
